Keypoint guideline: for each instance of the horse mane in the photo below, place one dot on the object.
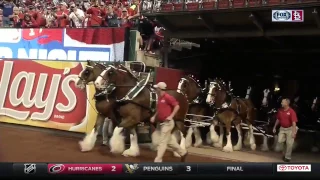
(190, 76)
(102, 66)
(128, 71)
(221, 83)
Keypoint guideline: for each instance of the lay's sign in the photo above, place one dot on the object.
(75, 44)
(43, 94)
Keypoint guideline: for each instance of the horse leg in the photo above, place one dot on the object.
(228, 146)
(264, 146)
(251, 136)
(105, 130)
(89, 140)
(189, 137)
(238, 146)
(117, 144)
(182, 128)
(133, 151)
(220, 141)
(213, 134)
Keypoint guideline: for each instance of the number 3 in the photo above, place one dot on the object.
(113, 168)
(188, 168)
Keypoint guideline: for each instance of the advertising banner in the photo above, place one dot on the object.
(43, 94)
(71, 44)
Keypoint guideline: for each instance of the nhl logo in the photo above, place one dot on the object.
(29, 168)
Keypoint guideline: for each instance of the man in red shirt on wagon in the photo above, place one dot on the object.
(287, 119)
(167, 107)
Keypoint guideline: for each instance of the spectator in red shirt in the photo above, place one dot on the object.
(29, 22)
(168, 106)
(40, 17)
(95, 15)
(287, 119)
(62, 15)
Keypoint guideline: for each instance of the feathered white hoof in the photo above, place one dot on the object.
(175, 154)
(217, 145)
(213, 134)
(117, 144)
(246, 140)
(198, 143)
(264, 147)
(227, 148)
(189, 138)
(238, 146)
(314, 149)
(208, 139)
(132, 152)
(253, 147)
(89, 141)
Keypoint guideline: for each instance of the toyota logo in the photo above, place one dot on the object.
(57, 168)
(282, 167)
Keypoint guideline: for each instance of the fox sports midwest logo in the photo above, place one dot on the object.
(281, 15)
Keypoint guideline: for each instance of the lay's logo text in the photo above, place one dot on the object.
(32, 90)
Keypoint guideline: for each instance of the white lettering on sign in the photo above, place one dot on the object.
(47, 105)
(55, 54)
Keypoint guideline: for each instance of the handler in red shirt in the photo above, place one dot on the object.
(287, 119)
(168, 107)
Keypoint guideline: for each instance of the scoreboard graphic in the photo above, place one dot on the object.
(114, 169)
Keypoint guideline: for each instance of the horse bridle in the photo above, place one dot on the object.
(85, 81)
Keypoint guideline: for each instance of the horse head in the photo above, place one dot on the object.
(190, 86)
(89, 74)
(115, 76)
(217, 91)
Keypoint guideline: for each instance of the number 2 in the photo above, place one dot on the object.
(188, 168)
(113, 168)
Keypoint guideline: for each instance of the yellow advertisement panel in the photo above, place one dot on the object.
(44, 94)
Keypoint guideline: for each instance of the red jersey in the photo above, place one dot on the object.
(166, 103)
(41, 20)
(96, 16)
(286, 118)
(63, 21)
(30, 24)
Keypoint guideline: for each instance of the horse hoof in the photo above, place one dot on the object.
(227, 149)
(175, 154)
(129, 153)
(264, 148)
(237, 148)
(253, 147)
(197, 144)
(217, 145)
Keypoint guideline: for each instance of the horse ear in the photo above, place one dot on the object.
(88, 61)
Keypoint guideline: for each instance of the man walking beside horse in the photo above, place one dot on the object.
(168, 107)
(287, 119)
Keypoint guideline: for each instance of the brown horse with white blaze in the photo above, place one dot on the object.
(191, 88)
(103, 105)
(230, 110)
(136, 103)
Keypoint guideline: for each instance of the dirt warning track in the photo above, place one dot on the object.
(20, 144)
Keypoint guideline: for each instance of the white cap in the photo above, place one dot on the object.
(161, 85)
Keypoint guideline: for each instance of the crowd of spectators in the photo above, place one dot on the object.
(80, 14)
